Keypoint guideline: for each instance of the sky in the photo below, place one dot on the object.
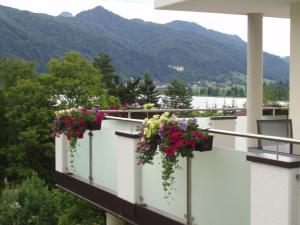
(276, 41)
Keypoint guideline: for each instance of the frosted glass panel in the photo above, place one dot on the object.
(153, 194)
(104, 159)
(80, 165)
(221, 188)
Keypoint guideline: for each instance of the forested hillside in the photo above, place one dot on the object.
(177, 49)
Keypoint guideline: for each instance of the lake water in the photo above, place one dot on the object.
(217, 102)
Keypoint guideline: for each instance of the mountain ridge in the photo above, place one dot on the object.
(135, 46)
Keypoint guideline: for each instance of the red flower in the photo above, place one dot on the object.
(79, 134)
(69, 137)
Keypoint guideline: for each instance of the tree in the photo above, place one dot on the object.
(109, 78)
(147, 90)
(128, 92)
(29, 109)
(21, 205)
(32, 202)
(13, 70)
(28, 105)
(178, 95)
(77, 81)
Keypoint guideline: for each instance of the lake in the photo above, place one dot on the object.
(217, 102)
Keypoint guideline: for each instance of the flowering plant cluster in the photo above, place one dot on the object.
(172, 137)
(149, 106)
(74, 122)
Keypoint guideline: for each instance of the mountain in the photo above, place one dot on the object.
(66, 14)
(177, 49)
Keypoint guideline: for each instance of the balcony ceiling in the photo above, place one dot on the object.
(270, 8)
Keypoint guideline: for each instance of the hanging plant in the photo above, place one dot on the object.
(74, 122)
(174, 138)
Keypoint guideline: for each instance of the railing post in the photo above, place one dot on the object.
(91, 157)
(189, 218)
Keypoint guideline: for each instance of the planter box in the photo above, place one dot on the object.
(93, 126)
(208, 145)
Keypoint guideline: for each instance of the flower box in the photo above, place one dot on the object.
(93, 126)
(206, 146)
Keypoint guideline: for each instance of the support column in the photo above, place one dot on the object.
(112, 220)
(129, 174)
(61, 148)
(294, 107)
(274, 189)
(254, 72)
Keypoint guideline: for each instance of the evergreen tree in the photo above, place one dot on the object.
(178, 95)
(147, 90)
(109, 78)
(128, 92)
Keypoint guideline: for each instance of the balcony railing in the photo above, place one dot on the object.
(213, 188)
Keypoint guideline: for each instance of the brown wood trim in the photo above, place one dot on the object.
(132, 213)
(271, 159)
(223, 118)
(128, 135)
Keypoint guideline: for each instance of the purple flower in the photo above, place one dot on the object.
(194, 120)
(95, 110)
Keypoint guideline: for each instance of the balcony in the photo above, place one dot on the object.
(226, 186)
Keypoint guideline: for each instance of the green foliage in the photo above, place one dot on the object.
(33, 203)
(178, 95)
(102, 63)
(13, 70)
(78, 82)
(274, 92)
(128, 92)
(205, 54)
(233, 91)
(28, 102)
(30, 203)
(27, 109)
(148, 92)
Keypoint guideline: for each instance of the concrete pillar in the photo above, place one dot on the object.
(113, 220)
(254, 72)
(273, 195)
(61, 148)
(294, 107)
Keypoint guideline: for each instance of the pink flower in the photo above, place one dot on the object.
(125, 105)
(85, 111)
(81, 122)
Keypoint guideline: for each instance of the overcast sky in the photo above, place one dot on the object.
(276, 31)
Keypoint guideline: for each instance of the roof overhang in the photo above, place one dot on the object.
(269, 8)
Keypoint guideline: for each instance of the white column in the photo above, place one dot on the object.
(61, 148)
(113, 220)
(294, 107)
(273, 195)
(128, 178)
(254, 72)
